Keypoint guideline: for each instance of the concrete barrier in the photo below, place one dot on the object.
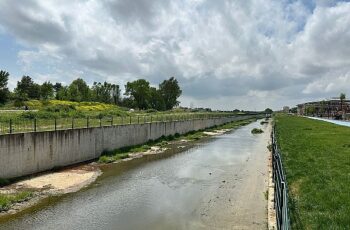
(28, 153)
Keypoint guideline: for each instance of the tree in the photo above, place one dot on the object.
(170, 91)
(294, 110)
(106, 92)
(79, 91)
(115, 91)
(46, 90)
(156, 100)
(268, 111)
(57, 87)
(27, 89)
(62, 93)
(4, 92)
(310, 110)
(342, 98)
(139, 92)
(323, 108)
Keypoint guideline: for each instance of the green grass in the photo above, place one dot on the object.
(111, 156)
(67, 114)
(316, 157)
(6, 200)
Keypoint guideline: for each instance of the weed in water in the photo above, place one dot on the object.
(256, 131)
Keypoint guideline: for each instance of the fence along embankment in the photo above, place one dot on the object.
(28, 153)
(281, 188)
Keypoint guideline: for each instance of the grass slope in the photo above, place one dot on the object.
(316, 157)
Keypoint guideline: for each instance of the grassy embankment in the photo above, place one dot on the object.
(83, 114)
(316, 157)
(122, 153)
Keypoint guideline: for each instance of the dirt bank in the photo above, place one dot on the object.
(51, 183)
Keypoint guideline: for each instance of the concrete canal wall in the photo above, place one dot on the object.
(28, 153)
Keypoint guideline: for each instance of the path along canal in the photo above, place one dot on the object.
(337, 122)
(217, 184)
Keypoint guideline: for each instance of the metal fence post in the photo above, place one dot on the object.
(55, 124)
(112, 121)
(87, 122)
(72, 122)
(34, 124)
(138, 119)
(100, 122)
(10, 125)
(151, 118)
(130, 119)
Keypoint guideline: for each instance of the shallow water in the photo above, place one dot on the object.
(200, 188)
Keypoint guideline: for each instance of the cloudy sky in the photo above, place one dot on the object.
(226, 54)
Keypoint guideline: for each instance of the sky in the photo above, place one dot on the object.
(226, 54)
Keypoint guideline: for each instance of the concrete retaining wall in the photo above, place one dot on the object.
(28, 153)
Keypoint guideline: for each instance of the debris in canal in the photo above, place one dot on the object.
(256, 131)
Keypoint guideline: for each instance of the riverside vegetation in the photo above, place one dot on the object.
(51, 106)
(7, 200)
(56, 114)
(315, 156)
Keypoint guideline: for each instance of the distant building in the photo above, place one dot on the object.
(332, 108)
(285, 109)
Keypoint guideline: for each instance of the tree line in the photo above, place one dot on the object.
(138, 94)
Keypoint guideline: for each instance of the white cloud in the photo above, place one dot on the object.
(221, 51)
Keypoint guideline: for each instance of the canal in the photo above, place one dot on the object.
(217, 184)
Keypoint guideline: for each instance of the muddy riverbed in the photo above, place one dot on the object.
(217, 184)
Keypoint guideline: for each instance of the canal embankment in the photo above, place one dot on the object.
(316, 158)
(28, 153)
(217, 182)
(72, 179)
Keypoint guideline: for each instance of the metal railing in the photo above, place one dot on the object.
(281, 188)
(37, 125)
